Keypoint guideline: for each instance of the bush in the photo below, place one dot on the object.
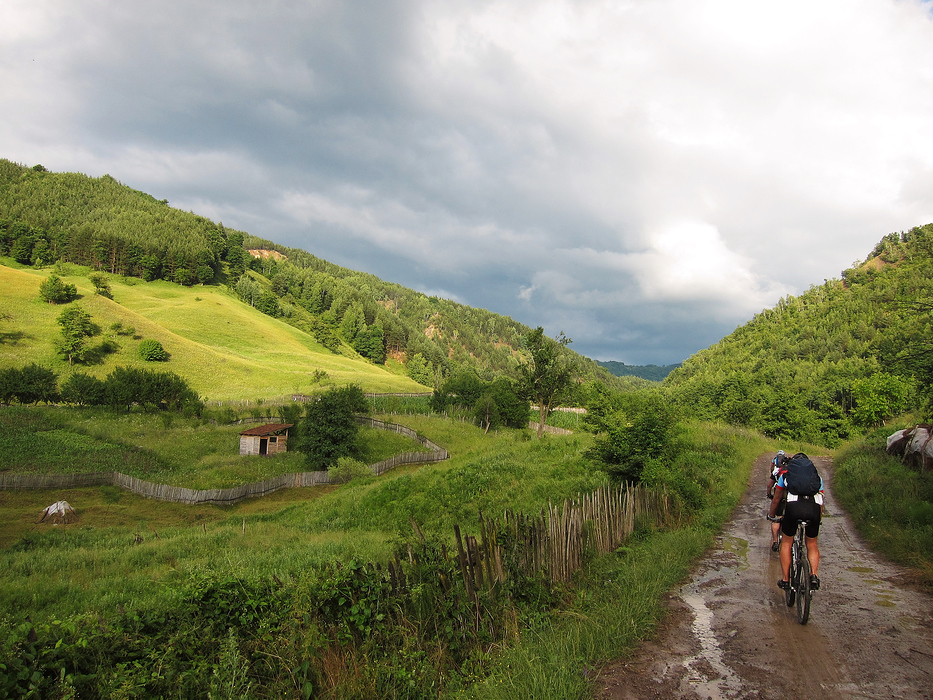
(152, 351)
(55, 291)
(347, 469)
(633, 436)
(101, 284)
(33, 384)
(126, 386)
(83, 389)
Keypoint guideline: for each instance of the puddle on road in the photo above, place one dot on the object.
(886, 598)
(727, 684)
(739, 548)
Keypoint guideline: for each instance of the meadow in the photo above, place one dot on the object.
(218, 344)
(158, 560)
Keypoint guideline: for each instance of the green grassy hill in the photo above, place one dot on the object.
(51, 218)
(224, 348)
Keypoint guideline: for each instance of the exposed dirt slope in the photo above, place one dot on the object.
(730, 635)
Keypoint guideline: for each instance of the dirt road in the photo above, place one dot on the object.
(730, 635)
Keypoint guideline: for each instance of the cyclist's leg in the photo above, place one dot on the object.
(789, 529)
(813, 547)
(776, 527)
(813, 554)
(786, 545)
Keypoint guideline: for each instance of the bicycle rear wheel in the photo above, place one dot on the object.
(790, 594)
(803, 590)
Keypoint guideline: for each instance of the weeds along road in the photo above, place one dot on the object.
(730, 635)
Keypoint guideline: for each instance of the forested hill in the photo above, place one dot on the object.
(49, 217)
(844, 356)
(652, 373)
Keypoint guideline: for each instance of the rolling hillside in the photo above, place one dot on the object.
(98, 224)
(224, 348)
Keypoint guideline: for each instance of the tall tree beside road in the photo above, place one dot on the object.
(547, 372)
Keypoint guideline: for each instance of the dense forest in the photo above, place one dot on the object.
(843, 357)
(653, 373)
(100, 223)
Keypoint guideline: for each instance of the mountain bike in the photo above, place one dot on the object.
(799, 590)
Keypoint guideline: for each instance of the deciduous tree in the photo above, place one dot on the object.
(547, 372)
(77, 327)
(329, 429)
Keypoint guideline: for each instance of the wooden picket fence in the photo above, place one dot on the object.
(179, 494)
(555, 543)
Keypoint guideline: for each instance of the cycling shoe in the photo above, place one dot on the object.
(814, 583)
(784, 585)
(775, 546)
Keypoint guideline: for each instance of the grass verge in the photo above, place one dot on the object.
(890, 503)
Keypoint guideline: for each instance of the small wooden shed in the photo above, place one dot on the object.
(268, 439)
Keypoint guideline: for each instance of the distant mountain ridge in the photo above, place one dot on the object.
(653, 373)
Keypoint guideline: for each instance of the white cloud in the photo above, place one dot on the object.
(689, 261)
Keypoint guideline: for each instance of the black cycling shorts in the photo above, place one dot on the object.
(801, 509)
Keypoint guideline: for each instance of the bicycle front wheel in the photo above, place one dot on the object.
(803, 591)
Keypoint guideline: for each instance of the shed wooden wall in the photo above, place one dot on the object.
(250, 444)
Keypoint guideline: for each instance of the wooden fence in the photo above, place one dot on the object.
(179, 494)
(557, 541)
(554, 544)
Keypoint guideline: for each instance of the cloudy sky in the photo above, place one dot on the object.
(644, 175)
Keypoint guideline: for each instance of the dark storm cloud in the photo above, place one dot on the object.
(642, 176)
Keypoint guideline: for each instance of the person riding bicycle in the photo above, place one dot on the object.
(797, 508)
(776, 465)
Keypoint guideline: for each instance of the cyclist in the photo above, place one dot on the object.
(776, 465)
(797, 508)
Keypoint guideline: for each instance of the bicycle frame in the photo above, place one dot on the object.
(799, 591)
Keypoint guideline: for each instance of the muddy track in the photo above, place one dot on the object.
(729, 634)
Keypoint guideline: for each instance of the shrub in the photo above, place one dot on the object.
(83, 389)
(36, 384)
(152, 351)
(347, 469)
(126, 386)
(55, 291)
(101, 285)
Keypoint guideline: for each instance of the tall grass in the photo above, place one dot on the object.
(890, 503)
(618, 603)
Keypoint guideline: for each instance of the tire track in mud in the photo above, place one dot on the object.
(728, 634)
